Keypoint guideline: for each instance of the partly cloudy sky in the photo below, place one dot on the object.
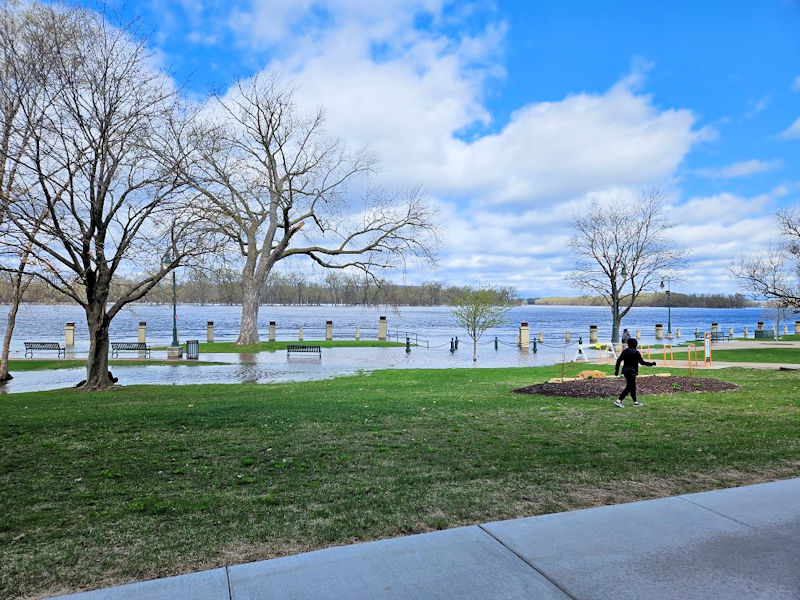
(514, 116)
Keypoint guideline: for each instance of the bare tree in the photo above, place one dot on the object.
(104, 155)
(774, 275)
(620, 250)
(278, 187)
(478, 309)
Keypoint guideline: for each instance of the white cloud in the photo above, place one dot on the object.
(796, 84)
(794, 130)
(741, 169)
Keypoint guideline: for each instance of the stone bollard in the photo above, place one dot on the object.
(329, 330)
(745, 332)
(69, 334)
(358, 332)
(592, 334)
(524, 336)
(567, 337)
(210, 331)
(382, 329)
(300, 335)
(142, 332)
(678, 333)
(760, 326)
(272, 331)
(785, 330)
(696, 332)
(659, 331)
(541, 337)
(797, 327)
(730, 332)
(638, 334)
(715, 328)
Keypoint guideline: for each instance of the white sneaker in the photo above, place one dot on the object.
(637, 403)
(619, 403)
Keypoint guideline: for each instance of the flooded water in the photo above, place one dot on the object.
(430, 328)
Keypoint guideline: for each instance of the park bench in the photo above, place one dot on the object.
(716, 336)
(117, 347)
(303, 349)
(31, 346)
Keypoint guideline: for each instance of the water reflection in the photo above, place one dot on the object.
(270, 367)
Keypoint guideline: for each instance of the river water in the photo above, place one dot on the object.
(430, 327)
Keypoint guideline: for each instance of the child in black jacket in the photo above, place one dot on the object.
(631, 359)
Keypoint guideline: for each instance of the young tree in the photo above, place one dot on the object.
(104, 155)
(478, 309)
(774, 275)
(278, 187)
(620, 248)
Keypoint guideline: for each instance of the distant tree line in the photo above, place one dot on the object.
(296, 288)
(659, 299)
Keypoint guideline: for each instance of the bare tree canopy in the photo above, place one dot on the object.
(479, 309)
(774, 275)
(103, 196)
(621, 250)
(276, 186)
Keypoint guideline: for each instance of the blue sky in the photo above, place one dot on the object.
(514, 116)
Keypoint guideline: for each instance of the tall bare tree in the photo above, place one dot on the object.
(279, 187)
(104, 155)
(774, 274)
(621, 250)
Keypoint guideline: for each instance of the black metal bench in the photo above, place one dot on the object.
(117, 347)
(31, 346)
(303, 349)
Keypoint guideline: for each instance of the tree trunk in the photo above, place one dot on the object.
(97, 375)
(251, 298)
(474, 350)
(11, 321)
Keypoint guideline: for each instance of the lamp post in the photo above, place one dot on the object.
(168, 260)
(669, 308)
(615, 307)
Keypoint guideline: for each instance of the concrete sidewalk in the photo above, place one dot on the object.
(735, 543)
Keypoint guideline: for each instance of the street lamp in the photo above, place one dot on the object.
(168, 260)
(615, 307)
(669, 308)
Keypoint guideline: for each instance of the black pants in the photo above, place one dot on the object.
(630, 386)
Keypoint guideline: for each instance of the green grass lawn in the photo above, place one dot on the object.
(747, 355)
(228, 347)
(147, 481)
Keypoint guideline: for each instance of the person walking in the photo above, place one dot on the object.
(631, 358)
(626, 335)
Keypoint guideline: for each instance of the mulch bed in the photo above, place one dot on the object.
(606, 388)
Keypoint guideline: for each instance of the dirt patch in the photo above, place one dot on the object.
(605, 388)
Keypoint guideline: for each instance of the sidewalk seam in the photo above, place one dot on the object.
(523, 559)
(724, 516)
(228, 580)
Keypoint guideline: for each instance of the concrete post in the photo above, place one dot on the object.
(358, 332)
(696, 332)
(382, 329)
(659, 331)
(730, 331)
(69, 335)
(678, 333)
(715, 328)
(524, 336)
(142, 332)
(745, 332)
(592, 334)
(785, 330)
(760, 326)
(541, 337)
(329, 330)
(638, 334)
(300, 335)
(567, 337)
(797, 327)
(272, 331)
(210, 331)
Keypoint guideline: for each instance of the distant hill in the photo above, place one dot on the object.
(676, 301)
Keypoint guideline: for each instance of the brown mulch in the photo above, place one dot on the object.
(605, 388)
